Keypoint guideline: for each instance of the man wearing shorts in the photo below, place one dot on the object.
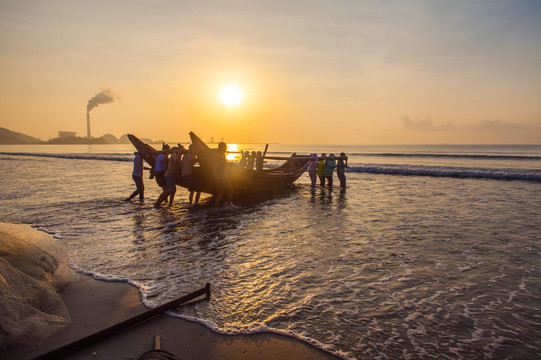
(188, 180)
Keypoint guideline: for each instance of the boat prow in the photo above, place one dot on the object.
(146, 151)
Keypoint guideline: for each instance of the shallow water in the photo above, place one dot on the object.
(395, 267)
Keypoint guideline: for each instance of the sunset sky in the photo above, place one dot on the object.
(354, 72)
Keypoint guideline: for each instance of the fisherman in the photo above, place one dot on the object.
(340, 170)
(188, 180)
(137, 176)
(312, 169)
(171, 174)
(160, 165)
(330, 164)
(219, 171)
(259, 161)
(321, 169)
(243, 159)
(251, 160)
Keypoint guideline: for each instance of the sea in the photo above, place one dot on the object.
(431, 252)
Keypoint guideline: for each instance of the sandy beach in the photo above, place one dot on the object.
(95, 305)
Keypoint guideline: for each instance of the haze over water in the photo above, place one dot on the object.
(431, 252)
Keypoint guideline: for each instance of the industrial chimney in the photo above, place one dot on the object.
(88, 124)
(103, 97)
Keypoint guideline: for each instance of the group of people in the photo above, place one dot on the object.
(323, 168)
(248, 160)
(171, 164)
(177, 163)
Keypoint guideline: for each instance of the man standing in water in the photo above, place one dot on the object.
(187, 179)
(221, 181)
(137, 176)
(312, 169)
(321, 169)
(159, 167)
(328, 169)
(171, 174)
(340, 171)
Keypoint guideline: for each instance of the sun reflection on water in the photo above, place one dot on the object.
(233, 152)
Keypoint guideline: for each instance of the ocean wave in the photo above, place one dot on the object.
(457, 172)
(452, 156)
(429, 154)
(387, 169)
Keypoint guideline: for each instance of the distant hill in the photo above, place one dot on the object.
(8, 137)
(12, 137)
(71, 140)
(124, 140)
(110, 139)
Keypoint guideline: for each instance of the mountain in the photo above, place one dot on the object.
(75, 140)
(110, 139)
(12, 137)
(124, 140)
(8, 137)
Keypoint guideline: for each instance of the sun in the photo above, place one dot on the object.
(231, 95)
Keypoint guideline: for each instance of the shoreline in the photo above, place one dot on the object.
(97, 304)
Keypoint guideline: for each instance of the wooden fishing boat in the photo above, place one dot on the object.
(244, 181)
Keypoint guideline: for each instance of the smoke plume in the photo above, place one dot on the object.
(103, 97)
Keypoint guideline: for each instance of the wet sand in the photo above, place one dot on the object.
(95, 305)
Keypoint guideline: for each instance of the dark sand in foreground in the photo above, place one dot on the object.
(95, 305)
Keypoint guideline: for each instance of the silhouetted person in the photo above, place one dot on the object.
(312, 169)
(221, 181)
(159, 167)
(321, 169)
(340, 171)
(243, 159)
(137, 176)
(251, 161)
(188, 179)
(259, 161)
(171, 174)
(330, 164)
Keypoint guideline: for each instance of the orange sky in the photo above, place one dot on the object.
(391, 72)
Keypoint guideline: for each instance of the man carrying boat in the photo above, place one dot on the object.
(160, 166)
(222, 183)
(187, 179)
(312, 169)
(137, 176)
(321, 169)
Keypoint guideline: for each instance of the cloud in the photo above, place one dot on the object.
(426, 124)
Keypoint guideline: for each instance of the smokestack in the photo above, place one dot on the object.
(103, 97)
(88, 124)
